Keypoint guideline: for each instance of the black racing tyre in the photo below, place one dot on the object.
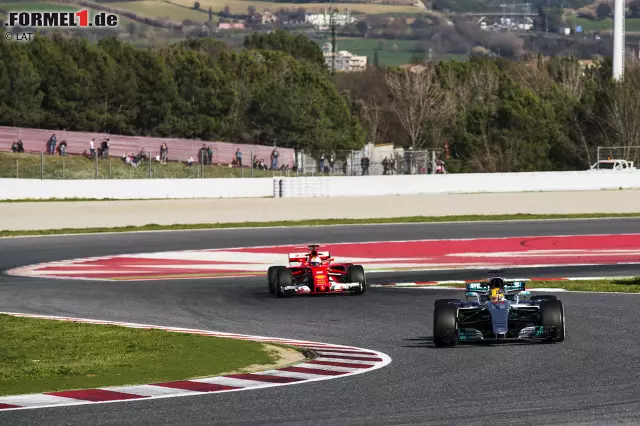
(552, 315)
(544, 297)
(444, 301)
(284, 278)
(272, 277)
(445, 325)
(355, 274)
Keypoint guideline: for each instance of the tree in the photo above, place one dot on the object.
(363, 28)
(298, 46)
(196, 5)
(416, 96)
(603, 10)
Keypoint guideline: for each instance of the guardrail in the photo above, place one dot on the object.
(455, 183)
(285, 187)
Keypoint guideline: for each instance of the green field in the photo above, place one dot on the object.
(39, 355)
(631, 24)
(240, 6)
(390, 52)
(52, 6)
(27, 166)
(163, 10)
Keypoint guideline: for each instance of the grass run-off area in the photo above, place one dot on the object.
(28, 166)
(241, 6)
(610, 285)
(390, 52)
(18, 6)
(164, 10)
(40, 355)
(317, 222)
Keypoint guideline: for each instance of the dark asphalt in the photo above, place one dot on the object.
(590, 378)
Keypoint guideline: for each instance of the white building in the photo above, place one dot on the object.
(346, 61)
(322, 21)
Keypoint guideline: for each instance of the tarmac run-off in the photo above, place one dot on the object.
(419, 255)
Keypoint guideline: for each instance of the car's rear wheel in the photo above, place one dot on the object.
(284, 278)
(355, 274)
(445, 325)
(552, 315)
(272, 277)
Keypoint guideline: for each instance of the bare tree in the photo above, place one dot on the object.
(621, 118)
(416, 96)
(372, 117)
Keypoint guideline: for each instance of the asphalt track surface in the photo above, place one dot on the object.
(591, 378)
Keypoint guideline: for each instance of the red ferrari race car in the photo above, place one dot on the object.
(315, 273)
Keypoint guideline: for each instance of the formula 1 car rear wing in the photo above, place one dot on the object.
(303, 257)
(509, 285)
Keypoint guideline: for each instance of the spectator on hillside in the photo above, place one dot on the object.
(209, 154)
(52, 144)
(239, 157)
(256, 163)
(62, 148)
(92, 148)
(321, 164)
(385, 166)
(17, 146)
(164, 152)
(203, 154)
(103, 152)
(142, 155)
(274, 159)
(189, 161)
(364, 164)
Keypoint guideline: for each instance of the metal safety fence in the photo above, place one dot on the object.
(141, 166)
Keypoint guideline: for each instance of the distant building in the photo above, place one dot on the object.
(346, 61)
(231, 26)
(322, 21)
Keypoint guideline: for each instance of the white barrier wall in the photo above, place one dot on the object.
(351, 186)
(336, 186)
(19, 189)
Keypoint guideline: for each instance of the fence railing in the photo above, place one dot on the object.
(145, 165)
(142, 166)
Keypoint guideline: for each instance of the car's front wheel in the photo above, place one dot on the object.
(355, 274)
(284, 278)
(272, 276)
(552, 315)
(445, 325)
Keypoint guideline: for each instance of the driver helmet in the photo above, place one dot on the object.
(314, 259)
(496, 282)
(496, 295)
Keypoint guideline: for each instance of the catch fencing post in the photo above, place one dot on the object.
(17, 174)
(251, 161)
(41, 165)
(110, 168)
(150, 162)
(62, 168)
(97, 166)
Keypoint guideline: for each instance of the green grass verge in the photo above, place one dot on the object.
(28, 166)
(39, 355)
(315, 222)
(620, 285)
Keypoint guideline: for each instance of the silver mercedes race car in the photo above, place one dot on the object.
(498, 311)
